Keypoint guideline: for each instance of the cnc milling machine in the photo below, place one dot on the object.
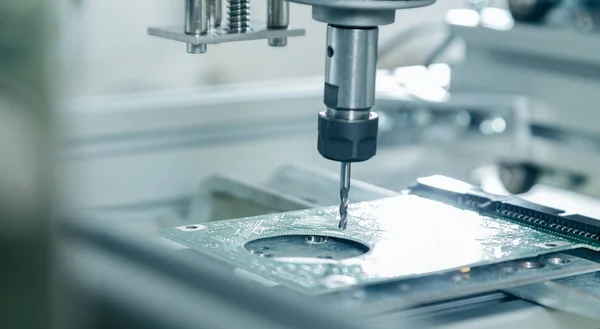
(435, 253)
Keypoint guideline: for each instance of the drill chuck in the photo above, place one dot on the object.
(347, 140)
(348, 129)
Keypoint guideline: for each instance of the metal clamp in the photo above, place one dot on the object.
(203, 25)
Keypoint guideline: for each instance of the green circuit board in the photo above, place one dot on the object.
(401, 237)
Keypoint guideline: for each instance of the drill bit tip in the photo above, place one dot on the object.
(344, 191)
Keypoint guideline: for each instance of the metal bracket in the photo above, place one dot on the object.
(577, 294)
(403, 294)
(221, 34)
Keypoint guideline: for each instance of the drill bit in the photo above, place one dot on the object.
(344, 190)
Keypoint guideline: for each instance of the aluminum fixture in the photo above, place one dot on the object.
(360, 13)
(196, 23)
(203, 26)
(347, 128)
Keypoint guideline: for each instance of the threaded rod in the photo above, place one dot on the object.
(238, 13)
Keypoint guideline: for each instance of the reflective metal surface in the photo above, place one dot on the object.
(215, 13)
(384, 298)
(351, 64)
(360, 13)
(278, 17)
(408, 236)
(219, 35)
(196, 17)
(345, 176)
(368, 4)
(577, 294)
(196, 22)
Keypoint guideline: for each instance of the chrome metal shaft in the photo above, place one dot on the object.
(196, 22)
(278, 17)
(350, 69)
(215, 13)
(344, 191)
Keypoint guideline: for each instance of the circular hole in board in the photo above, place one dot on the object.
(308, 246)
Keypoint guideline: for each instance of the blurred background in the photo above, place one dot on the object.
(140, 117)
(111, 57)
(127, 91)
(98, 118)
